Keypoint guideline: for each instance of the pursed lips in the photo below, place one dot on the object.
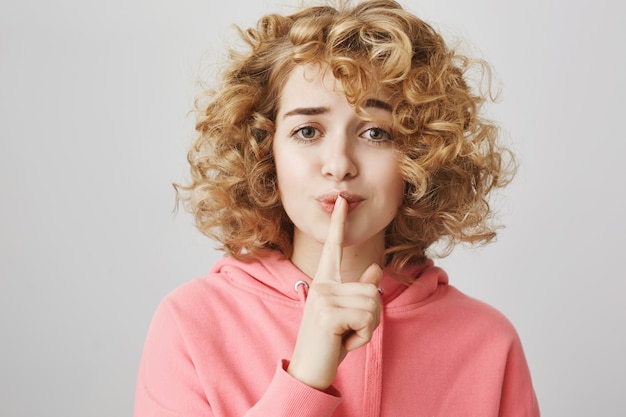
(327, 201)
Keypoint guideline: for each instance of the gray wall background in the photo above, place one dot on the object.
(94, 129)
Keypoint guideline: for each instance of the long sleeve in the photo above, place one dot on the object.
(167, 381)
(287, 397)
(169, 384)
(518, 398)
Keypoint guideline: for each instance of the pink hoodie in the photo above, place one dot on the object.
(218, 346)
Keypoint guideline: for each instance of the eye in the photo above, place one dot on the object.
(305, 134)
(377, 135)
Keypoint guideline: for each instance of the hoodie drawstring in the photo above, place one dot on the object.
(374, 372)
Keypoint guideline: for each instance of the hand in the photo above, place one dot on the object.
(338, 317)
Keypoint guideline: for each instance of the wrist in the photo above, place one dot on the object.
(309, 374)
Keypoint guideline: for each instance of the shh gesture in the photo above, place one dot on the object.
(338, 317)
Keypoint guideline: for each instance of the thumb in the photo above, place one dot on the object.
(372, 275)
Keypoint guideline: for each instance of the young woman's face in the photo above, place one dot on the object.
(323, 149)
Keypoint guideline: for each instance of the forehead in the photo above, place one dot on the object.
(312, 79)
(308, 84)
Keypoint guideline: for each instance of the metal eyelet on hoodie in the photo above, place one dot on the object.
(299, 283)
(302, 289)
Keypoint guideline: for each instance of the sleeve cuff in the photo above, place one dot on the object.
(286, 396)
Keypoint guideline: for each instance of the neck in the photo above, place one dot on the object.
(355, 259)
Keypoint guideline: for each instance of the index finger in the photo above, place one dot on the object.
(329, 267)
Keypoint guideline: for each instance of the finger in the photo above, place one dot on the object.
(372, 275)
(362, 327)
(355, 339)
(330, 262)
(354, 295)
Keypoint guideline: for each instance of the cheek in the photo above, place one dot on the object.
(401, 189)
(290, 175)
(393, 182)
(292, 164)
(396, 195)
(281, 166)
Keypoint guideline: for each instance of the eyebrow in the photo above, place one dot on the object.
(306, 111)
(312, 111)
(379, 104)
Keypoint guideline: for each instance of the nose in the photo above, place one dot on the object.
(339, 159)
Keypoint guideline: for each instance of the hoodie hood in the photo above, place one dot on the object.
(276, 276)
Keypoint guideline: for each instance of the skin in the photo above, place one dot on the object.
(322, 148)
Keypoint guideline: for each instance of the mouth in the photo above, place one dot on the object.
(327, 201)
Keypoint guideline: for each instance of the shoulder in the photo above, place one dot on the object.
(194, 293)
(196, 300)
(465, 312)
(230, 289)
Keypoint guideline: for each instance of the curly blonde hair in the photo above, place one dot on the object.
(448, 154)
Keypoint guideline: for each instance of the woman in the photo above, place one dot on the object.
(338, 149)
